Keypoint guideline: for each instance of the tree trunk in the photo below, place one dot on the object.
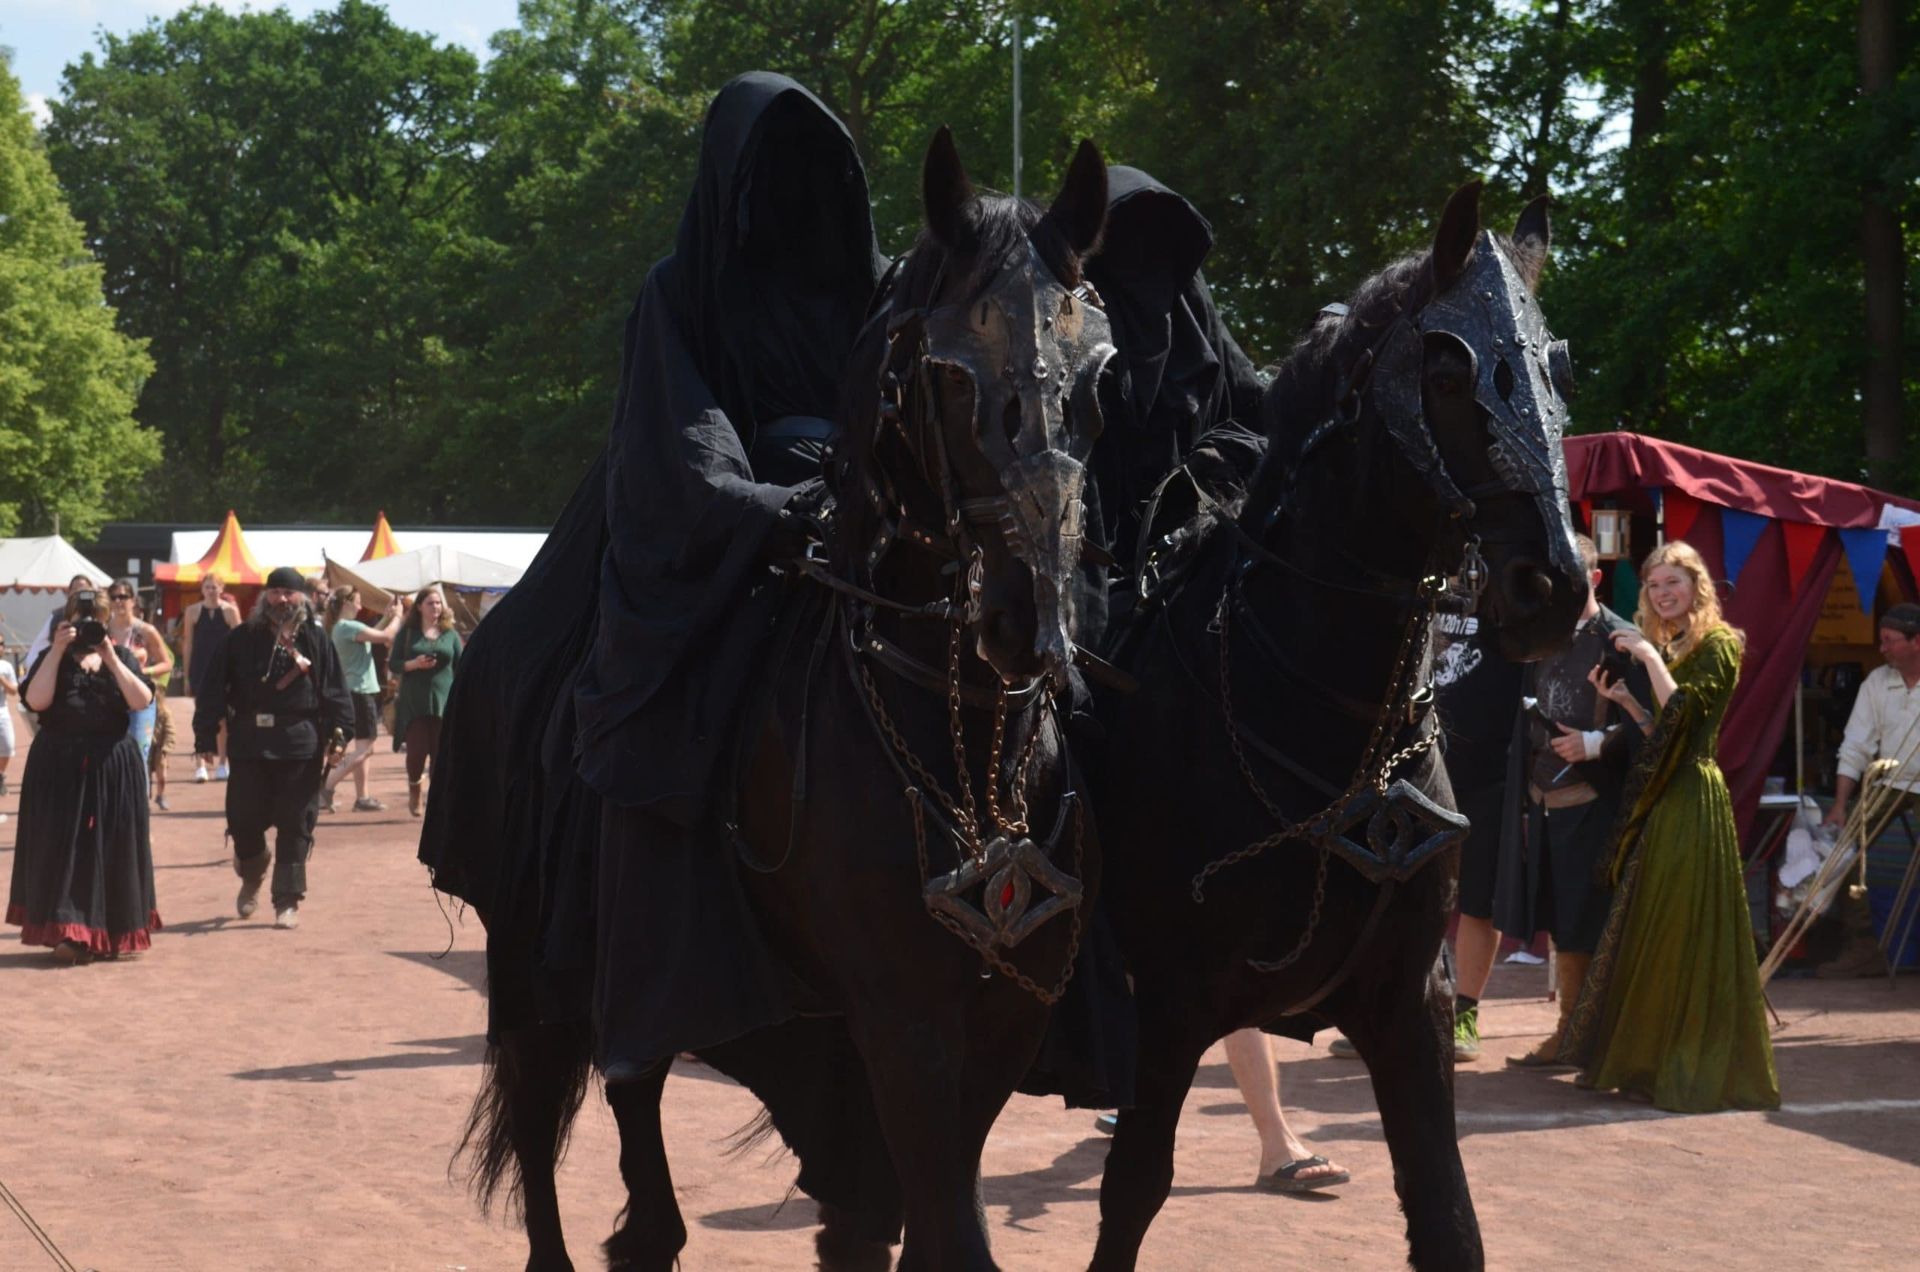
(1552, 95)
(1883, 257)
(1649, 190)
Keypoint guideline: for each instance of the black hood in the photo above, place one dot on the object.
(775, 261)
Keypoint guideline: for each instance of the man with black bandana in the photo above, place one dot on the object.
(278, 687)
(1567, 769)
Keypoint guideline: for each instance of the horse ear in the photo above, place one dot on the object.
(1081, 207)
(1532, 237)
(1453, 241)
(945, 190)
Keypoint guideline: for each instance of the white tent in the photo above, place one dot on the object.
(34, 574)
(306, 549)
(411, 571)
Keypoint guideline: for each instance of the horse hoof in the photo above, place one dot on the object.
(842, 1247)
(841, 1253)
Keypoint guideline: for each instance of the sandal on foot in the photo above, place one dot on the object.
(1287, 1178)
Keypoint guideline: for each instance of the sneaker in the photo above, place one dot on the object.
(1342, 1047)
(1466, 1034)
(160, 802)
(287, 918)
(199, 772)
(326, 803)
(1107, 1123)
(249, 899)
(369, 804)
(220, 771)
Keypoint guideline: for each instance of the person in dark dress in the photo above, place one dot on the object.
(204, 628)
(426, 650)
(1568, 766)
(83, 866)
(278, 687)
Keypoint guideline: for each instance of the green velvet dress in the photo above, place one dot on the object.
(1672, 1009)
(423, 692)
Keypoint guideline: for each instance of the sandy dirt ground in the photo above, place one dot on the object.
(245, 1098)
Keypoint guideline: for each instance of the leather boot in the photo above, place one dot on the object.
(1861, 955)
(1570, 974)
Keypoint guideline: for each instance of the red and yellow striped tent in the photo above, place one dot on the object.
(382, 544)
(229, 560)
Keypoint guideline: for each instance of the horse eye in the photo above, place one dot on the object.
(1503, 380)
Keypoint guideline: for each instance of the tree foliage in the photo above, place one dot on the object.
(370, 271)
(70, 450)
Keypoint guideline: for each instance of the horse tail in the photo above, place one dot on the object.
(532, 1084)
(752, 1135)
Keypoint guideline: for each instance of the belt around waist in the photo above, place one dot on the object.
(1564, 796)
(809, 428)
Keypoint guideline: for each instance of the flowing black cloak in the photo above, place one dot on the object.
(1185, 384)
(749, 322)
(725, 343)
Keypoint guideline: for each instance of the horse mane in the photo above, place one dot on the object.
(995, 227)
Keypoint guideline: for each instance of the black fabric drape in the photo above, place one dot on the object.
(750, 319)
(1184, 376)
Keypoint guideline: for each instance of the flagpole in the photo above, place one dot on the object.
(1016, 103)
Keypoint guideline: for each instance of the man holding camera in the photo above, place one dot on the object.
(278, 686)
(1567, 767)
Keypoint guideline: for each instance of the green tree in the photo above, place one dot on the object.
(587, 162)
(273, 198)
(70, 451)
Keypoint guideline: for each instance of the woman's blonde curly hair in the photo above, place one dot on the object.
(1677, 640)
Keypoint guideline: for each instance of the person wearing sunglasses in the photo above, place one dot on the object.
(141, 639)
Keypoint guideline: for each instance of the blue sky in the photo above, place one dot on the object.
(45, 35)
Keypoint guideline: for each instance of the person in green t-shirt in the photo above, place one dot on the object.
(354, 640)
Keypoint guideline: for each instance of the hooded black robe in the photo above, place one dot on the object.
(1186, 383)
(1183, 385)
(742, 329)
(734, 357)
(737, 343)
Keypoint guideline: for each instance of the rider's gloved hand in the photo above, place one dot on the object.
(797, 524)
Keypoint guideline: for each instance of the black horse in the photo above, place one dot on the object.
(1308, 867)
(906, 817)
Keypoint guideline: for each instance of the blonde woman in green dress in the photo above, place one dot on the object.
(425, 651)
(1672, 1009)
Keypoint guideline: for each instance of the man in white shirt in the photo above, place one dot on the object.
(1884, 724)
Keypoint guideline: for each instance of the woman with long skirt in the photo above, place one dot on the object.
(425, 650)
(1672, 1009)
(82, 862)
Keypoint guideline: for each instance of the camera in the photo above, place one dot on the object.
(1616, 662)
(88, 630)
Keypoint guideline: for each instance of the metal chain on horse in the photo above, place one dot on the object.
(987, 954)
(964, 812)
(1370, 771)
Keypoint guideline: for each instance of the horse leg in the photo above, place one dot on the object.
(535, 1078)
(936, 1106)
(651, 1233)
(552, 1064)
(1407, 1042)
(1139, 1169)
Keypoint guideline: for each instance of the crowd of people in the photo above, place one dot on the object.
(286, 705)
